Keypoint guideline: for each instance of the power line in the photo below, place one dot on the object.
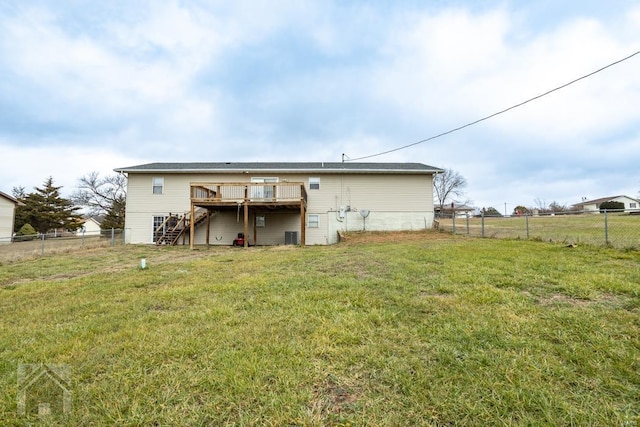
(495, 114)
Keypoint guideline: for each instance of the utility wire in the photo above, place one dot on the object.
(494, 114)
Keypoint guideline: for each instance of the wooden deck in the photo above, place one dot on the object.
(292, 194)
(249, 195)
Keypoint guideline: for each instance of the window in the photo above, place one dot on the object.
(158, 185)
(632, 205)
(314, 183)
(260, 221)
(313, 221)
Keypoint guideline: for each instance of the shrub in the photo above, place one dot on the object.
(26, 232)
(611, 205)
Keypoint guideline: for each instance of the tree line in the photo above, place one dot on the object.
(449, 186)
(44, 210)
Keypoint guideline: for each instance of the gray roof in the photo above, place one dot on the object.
(316, 167)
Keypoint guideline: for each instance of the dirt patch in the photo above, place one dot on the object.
(604, 299)
(360, 237)
(332, 398)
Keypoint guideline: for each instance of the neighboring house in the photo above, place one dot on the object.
(273, 203)
(461, 211)
(594, 205)
(7, 216)
(90, 227)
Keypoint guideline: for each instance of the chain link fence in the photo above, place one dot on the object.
(36, 245)
(617, 228)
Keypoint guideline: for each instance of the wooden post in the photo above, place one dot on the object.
(192, 228)
(246, 216)
(246, 224)
(208, 225)
(255, 230)
(303, 234)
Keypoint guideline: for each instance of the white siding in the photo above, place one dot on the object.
(89, 228)
(395, 202)
(7, 211)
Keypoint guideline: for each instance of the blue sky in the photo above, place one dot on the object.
(91, 86)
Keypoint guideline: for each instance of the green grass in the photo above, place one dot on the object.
(622, 229)
(421, 331)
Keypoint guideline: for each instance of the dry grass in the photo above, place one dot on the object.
(418, 328)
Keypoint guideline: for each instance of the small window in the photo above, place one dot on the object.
(260, 222)
(314, 183)
(633, 205)
(158, 185)
(313, 221)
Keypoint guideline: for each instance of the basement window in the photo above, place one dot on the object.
(313, 221)
(158, 185)
(314, 183)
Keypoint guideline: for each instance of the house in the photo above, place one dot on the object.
(90, 227)
(273, 203)
(594, 205)
(461, 211)
(7, 216)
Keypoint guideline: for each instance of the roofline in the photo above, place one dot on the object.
(321, 170)
(602, 199)
(11, 199)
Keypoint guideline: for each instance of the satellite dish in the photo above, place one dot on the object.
(364, 213)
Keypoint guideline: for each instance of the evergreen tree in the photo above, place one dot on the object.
(115, 215)
(45, 209)
(491, 211)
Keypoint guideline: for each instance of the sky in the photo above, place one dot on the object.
(92, 86)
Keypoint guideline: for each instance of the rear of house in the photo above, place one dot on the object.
(274, 203)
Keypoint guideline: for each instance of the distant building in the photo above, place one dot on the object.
(594, 204)
(90, 227)
(461, 211)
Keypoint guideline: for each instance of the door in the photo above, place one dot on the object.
(158, 232)
(263, 192)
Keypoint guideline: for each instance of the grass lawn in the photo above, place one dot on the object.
(417, 329)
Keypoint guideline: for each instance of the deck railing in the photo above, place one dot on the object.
(274, 192)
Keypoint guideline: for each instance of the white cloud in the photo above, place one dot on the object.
(258, 80)
(31, 166)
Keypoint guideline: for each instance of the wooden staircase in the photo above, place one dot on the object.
(175, 226)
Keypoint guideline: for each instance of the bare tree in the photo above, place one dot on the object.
(19, 192)
(100, 194)
(448, 184)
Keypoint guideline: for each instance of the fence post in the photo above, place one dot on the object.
(606, 228)
(482, 216)
(42, 244)
(468, 230)
(526, 218)
(453, 217)
(113, 236)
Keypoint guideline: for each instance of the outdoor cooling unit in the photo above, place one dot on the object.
(290, 237)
